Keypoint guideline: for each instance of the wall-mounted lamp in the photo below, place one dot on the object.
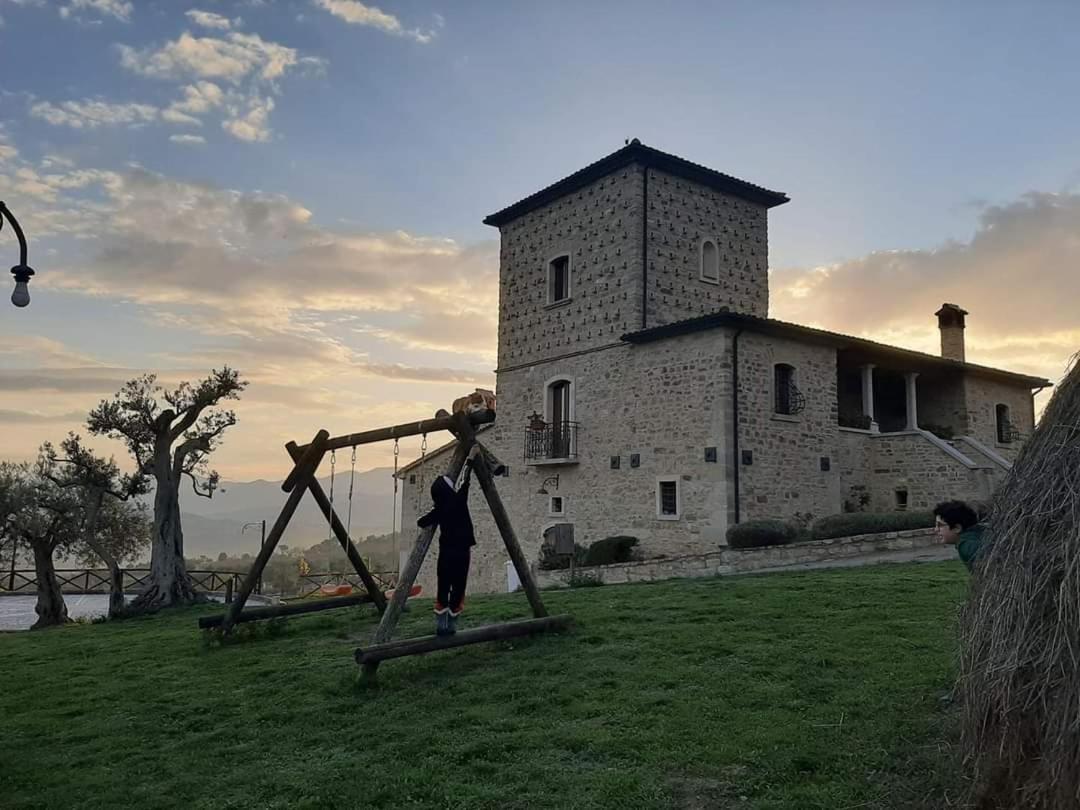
(554, 480)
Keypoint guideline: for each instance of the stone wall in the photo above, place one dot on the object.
(928, 473)
(682, 214)
(785, 475)
(599, 226)
(741, 561)
(942, 401)
(983, 396)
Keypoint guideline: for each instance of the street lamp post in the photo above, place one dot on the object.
(21, 271)
(262, 544)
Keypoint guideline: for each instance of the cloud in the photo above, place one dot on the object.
(188, 140)
(207, 19)
(1011, 276)
(356, 13)
(93, 113)
(250, 262)
(234, 59)
(199, 99)
(250, 124)
(119, 9)
(35, 418)
(249, 67)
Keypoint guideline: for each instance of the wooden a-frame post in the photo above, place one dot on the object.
(373, 589)
(466, 435)
(302, 473)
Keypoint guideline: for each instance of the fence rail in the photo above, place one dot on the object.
(96, 580)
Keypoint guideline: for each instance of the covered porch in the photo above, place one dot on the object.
(881, 393)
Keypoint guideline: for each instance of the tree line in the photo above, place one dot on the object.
(74, 502)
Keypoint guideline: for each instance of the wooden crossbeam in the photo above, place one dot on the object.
(450, 423)
(292, 609)
(373, 654)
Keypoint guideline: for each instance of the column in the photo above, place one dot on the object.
(912, 401)
(868, 395)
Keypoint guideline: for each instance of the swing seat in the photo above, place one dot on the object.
(336, 590)
(413, 591)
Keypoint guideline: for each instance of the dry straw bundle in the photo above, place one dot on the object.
(1020, 659)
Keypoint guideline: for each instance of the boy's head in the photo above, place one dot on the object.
(951, 518)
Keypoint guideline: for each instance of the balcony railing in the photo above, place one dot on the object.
(789, 400)
(551, 441)
(1008, 433)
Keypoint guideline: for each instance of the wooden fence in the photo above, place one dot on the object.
(96, 580)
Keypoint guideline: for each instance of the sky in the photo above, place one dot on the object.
(296, 188)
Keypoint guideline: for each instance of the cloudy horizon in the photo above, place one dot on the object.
(296, 189)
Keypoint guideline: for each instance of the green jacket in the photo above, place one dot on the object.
(970, 546)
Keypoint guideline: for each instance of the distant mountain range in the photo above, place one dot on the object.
(213, 525)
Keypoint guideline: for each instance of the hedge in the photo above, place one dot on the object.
(616, 549)
(853, 523)
(757, 533)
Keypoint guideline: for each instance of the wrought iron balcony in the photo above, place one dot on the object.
(1008, 433)
(789, 400)
(550, 441)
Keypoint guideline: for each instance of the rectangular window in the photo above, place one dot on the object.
(559, 279)
(667, 499)
(556, 505)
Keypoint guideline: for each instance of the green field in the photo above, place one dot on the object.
(810, 690)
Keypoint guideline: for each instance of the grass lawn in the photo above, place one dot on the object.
(809, 690)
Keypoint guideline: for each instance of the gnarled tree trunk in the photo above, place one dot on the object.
(170, 583)
(50, 608)
(116, 576)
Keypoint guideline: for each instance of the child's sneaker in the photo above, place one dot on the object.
(442, 623)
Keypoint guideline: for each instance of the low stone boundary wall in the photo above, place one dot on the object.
(741, 561)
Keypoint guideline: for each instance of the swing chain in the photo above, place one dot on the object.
(330, 519)
(352, 481)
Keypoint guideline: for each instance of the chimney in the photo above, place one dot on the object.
(950, 319)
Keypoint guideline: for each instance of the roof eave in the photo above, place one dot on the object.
(646, 156)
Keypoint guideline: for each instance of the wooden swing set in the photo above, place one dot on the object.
(306, 460)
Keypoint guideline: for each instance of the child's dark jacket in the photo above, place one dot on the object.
(450, 514)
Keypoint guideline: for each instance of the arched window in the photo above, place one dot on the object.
(560, 429)
(710, 262)
(1005, 431)
(787, 398)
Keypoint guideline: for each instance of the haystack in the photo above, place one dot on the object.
(1020, 659)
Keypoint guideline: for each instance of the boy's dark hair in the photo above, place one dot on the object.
(957, 513)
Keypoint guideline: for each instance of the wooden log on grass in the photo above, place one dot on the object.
(290, 609)
(375, 653)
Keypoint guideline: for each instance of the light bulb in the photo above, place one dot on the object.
(21, 296)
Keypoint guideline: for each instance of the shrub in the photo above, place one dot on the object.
(617, 549)
(584, 580)
(869, 523)
(757, 533)
(550, 561)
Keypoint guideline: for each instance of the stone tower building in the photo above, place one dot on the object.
(643, 390)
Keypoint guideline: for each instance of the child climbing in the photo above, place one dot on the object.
(456, 539)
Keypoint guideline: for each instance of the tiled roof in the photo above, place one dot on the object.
(809, 334)
(637, 152)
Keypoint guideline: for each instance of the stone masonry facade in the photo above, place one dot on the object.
(658, 414)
